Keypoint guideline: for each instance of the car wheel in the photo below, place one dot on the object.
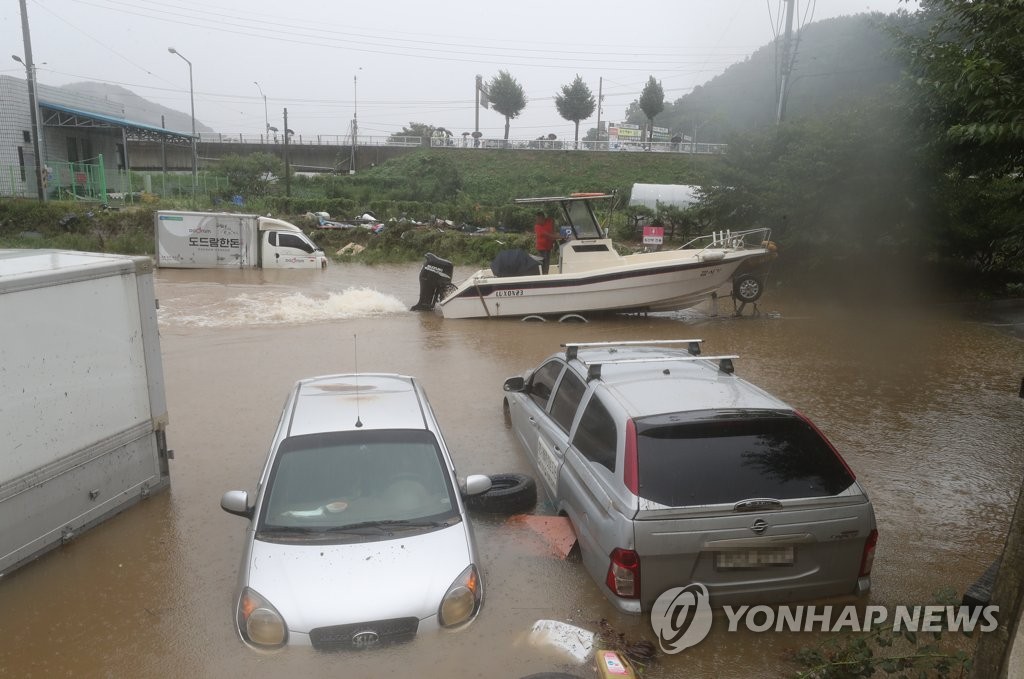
(509, 494)
(747, 288)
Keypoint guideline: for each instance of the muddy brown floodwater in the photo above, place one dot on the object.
(924, 407)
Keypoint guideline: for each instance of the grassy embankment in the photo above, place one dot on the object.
(463, 186)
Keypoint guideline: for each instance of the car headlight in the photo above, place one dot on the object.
(462, 600)
(259, 621)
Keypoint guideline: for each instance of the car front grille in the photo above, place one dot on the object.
(362, 635)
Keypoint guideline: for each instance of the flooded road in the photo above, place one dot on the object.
(924, 407)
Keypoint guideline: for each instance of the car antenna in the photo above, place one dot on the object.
(355, 351)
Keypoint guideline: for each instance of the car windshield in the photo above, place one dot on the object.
(729, 457)
(365, 482)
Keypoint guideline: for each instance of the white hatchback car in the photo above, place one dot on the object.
(673, 471)
(358, 534)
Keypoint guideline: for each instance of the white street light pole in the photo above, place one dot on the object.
(192, 100)
(266, 116)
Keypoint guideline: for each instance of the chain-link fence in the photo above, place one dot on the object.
(92, 182)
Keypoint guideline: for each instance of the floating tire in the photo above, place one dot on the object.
(509, 494)
(747, 288)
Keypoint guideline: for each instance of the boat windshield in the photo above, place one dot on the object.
(581, 217)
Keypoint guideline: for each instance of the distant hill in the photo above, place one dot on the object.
(839, 62)
(137, 109)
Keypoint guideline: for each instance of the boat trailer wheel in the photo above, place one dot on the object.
(747, 288)
(567, 318)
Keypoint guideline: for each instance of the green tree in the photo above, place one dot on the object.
(969, 75)
(506, 96)
(652, 102)
(966, 92)
(576, 102)
(840, 190)
(251, 175)
(422, 130)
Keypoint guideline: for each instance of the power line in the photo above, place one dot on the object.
(440, 51)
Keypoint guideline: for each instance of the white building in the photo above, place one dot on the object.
(84, 141)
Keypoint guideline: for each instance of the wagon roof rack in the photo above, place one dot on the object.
(572, 348)
(725, 363)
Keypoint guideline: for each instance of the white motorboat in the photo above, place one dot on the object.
(591, 277)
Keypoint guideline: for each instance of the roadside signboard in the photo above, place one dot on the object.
(654, 235)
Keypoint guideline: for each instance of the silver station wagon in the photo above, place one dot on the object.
(358, 534)
(673, 471)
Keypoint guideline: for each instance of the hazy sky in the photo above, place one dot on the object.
(395, 61)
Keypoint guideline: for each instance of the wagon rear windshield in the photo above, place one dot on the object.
(728, 457)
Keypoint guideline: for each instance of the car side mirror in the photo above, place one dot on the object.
(476, 484)
(237, 502)
(515, 384)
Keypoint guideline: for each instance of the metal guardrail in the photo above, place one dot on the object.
(315, 140)
(466, 142)
(567, 145)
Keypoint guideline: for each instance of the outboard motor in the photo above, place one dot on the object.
(435, 278)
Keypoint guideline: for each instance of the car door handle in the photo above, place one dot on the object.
(533, 421)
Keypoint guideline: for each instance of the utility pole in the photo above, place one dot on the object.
(476, 106)
(33, 104)
(600, 86)
(355, 126)
(287, 171)
(786, 64)
(481, 100)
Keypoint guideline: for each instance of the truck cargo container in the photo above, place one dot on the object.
(215, 240)
(83, 414)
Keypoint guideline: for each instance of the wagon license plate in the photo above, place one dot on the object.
(756, 558)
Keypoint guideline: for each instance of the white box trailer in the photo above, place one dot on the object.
(213, 240)
(82, 406)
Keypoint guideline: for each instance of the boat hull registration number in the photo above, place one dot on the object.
(509, 293)
(765, 557)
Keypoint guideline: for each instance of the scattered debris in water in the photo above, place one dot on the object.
(575, 642)
(641, 653)
(555, 532)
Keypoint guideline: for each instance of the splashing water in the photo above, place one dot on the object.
(274, 309)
